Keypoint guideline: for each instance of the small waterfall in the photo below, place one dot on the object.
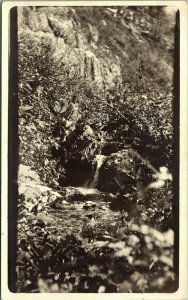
(99, 161)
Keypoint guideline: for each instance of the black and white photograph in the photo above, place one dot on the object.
(94, 148)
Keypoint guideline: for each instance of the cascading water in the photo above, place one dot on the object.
(99, 159)
(89, 190)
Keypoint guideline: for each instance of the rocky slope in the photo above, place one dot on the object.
(78, 45)
(95, 124)
(111, 59)
(103, 42)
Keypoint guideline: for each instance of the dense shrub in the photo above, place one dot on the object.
(123, 242)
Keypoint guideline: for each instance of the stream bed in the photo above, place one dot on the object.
(75, 240)
(83, 208)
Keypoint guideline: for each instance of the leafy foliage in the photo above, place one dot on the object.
(108, 251)
(70, 240)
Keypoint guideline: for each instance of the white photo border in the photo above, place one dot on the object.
(181, 293)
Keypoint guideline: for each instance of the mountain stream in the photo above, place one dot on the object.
(83, 207)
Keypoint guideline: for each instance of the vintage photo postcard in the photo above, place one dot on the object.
(94, 150)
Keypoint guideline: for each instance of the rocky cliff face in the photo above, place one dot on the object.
(126, 53)
(78, 45)
(101, 41)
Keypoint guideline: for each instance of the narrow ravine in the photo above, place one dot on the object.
(95, 131)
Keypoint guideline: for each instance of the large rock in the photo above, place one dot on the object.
(122, 171)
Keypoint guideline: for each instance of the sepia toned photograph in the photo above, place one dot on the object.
(94, 149)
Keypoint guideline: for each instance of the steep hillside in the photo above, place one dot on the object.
(83, 64)
(106, 42)
(96, 150)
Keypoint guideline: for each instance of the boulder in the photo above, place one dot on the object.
(121, 172)
(89, 205)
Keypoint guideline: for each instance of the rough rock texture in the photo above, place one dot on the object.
(103, 46)
(121, 171)
(101, 40)
(61, 28)
(75, 44)
(38, 22)
(92, 67)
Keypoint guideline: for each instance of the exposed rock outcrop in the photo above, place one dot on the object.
(122, 171)
(38, 22)
(100, 42)
(92, 67)
(62, 28)
(76, 45)
(117, 171)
